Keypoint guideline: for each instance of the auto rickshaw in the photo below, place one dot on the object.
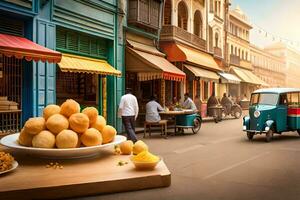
(273, 110)
(185, 121)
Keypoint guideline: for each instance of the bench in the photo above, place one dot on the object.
(162, 124)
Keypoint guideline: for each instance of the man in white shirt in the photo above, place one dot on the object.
(188, 103)
(152, 109)
(128, 110)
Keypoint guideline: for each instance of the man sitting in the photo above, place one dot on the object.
(152, 110)
(188, 103)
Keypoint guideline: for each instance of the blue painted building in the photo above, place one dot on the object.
(85, 31)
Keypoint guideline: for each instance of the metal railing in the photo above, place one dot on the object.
(235, 60)
(10, 122)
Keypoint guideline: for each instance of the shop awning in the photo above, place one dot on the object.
(180, 53)
(248, 76)
(150, 66)
(20, 47)
(229, 78)
(203, 73)
(80, 64)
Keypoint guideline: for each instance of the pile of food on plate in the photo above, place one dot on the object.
(66, 127)
(6, 161)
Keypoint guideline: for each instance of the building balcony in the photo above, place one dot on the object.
(234, 60)
(246, 64)
(218, 52)
(171, 33)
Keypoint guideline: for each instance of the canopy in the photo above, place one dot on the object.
(229, 78)
(248, 76)
(74, 63)
(23, 48)
(203, 73)
(180, 53)
(151, 66)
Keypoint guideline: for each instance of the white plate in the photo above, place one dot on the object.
(11, 141)
(14, 166)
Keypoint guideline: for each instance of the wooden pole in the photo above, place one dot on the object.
(104, 97)
(163, 92)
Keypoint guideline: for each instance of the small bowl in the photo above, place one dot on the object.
(144, 165)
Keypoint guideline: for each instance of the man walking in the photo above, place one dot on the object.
(128, 110)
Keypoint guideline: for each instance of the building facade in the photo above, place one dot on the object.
(238, 41)
(84, 32)
(291, 58)
(268, 67)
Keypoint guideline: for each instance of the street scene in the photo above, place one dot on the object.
(151, 99)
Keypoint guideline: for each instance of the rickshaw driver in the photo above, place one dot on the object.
(226, 103)
(188, 103)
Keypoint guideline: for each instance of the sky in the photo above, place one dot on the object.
(280, 18)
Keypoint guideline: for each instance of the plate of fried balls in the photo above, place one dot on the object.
(63, 132)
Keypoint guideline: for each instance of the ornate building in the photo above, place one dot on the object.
(268, 67)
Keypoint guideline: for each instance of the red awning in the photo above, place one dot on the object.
(23, 48)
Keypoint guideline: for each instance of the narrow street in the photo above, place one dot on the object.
(220, 163)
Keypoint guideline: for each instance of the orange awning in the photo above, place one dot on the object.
(20, 47)
(149, 66)
(180, 53)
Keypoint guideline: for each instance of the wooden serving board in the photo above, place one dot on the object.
(82, 177)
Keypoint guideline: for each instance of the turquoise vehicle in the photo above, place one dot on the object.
(273, 110)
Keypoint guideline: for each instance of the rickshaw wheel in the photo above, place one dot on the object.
(250, 135)
(269, 135)
(197, 125)
(237, 113)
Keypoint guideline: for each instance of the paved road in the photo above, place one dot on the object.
(219, 163)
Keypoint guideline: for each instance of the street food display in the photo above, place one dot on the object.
(145, 160)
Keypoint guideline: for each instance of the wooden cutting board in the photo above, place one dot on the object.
(81, 177)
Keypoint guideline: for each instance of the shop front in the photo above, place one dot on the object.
(149, 73)
(201, 69)
(249, 83)
(229, 84)
(16, 56)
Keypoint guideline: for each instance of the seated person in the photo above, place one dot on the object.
(226, 103)
(188, 103)
(152, 109)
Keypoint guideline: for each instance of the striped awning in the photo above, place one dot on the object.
(248, 77)
(20, 47)
(229, 78)
(80, 64)
(203, 73)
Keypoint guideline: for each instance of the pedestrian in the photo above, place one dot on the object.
(152, 110)
(188, 103)
(128, 110)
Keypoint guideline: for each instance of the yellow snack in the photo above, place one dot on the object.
(145, 156)
(50, 110)
(91, 137)
(45, 139)
(57, 123)
(108, 134)
(139, 146)
(126, 147)
(99, 123)
(69, 107)
(92, 114)
(25, 138)
(6, 161)
(66, 139)
(35, 125)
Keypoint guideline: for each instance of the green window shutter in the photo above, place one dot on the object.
(11, 27)
(81, 44)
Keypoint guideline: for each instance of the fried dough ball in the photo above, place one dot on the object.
(45, 139)
(92, 114)
(91, 137)
(126, 147)
(50, 110)
(69, 107)
(139, 146)
(99, 124)
(67, 139)
(25, 138)
(108, 134)
(79, 122)
(56, 123)
(35, 125)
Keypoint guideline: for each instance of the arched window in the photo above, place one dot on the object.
(182, 15)
(246, 55)
(168, 12)
(216, 40)
(239, 53)
(231, 50)
(243, 54)
(235, 51)
(198, 24)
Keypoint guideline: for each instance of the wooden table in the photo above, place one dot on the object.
(81, 177)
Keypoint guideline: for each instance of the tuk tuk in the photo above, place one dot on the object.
(273, 110)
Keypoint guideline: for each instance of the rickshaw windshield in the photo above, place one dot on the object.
(264, 98)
